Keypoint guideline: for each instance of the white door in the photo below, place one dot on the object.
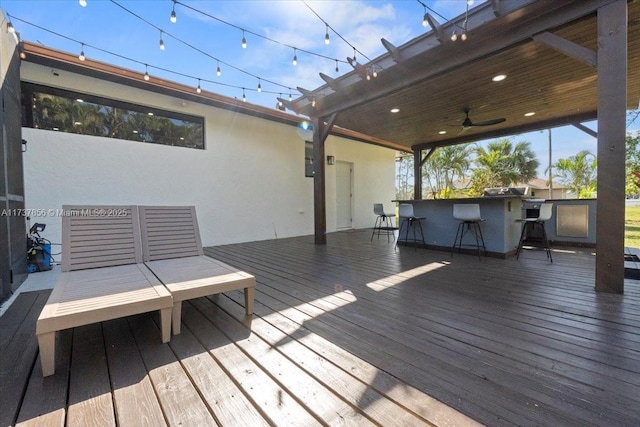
(344, 172)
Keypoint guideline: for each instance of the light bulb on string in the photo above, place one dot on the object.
(327, 40)
(82, 3)
(425, 19)
(244, 41)
(218, 70)
(280, 100)
(198, 89)
(173, 17)
(313, 102)
(295, 57)
(290, 97)
(354, 56)
(259, 86)
(81, 57)
(469, 2)
(337, 69)
(10, 28)
(146, 72)
(161, 41)
(463, 36)
(375, 73)
(244, 97)
(454, 36)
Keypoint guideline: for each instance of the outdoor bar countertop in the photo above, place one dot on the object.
(500, 230)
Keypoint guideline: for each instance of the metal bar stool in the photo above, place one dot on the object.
(469, 216)
(384, 222)
(530, 224)
(409, 220)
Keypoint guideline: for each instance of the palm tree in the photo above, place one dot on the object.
(502, 163)
(446, 165)
(578, 173)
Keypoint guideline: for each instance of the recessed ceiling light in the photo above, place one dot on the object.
(442, 132)
(395, 110)
(499, 77)
(529, 114)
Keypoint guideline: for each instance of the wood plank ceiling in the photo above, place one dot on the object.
(433, 87)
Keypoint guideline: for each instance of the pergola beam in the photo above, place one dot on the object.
(568, 47)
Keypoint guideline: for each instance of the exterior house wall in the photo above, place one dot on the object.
(247, 184)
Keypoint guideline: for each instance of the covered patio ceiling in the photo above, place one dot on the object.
(545, 48)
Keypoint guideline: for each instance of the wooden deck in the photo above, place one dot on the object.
(351, 333)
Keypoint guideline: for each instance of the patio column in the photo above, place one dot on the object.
(417, 174)
(612, 97)
(321, 131)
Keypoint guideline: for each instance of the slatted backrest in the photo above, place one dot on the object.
(169, 232)
(100, 236)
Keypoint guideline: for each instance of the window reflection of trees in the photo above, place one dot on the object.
(64, 114)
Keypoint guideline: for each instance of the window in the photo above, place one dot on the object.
(67, 111)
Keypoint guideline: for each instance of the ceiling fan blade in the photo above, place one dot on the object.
(489, 122)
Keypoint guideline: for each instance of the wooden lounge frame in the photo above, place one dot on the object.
(102, 277)
(172, 250)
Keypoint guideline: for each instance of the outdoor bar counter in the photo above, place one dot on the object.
(500, 230)
(573, 222)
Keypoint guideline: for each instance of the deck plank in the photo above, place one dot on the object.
(274, 401)
(315, 396)
(45, 401)
(20, 352)
(135, 401)
(90, 401)
(226, 400)
(178, 397)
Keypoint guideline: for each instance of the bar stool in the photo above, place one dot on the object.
(384, 222)
(529, 225)
(469, 216)
(410, 220)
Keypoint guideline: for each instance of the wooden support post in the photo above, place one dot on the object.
(417, 174)
(319, 196)
(612, 96)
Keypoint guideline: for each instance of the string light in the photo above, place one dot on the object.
(463, 36)
(10, 27)
(244, 97)
(173, 18)
(295, 57)
(454, 36)
(425, 20)
(469, 2)
(337, 70)
(244, 41)
(198, 89)
(326, 36)
(354, 55)
(259, 86)
(313, 102)
(82, 3)
(290, 98)
(280, 100)
(146, 75)
(218, 70)
(81, 57)
(161, 41)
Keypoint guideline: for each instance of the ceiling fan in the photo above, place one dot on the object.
(467, 123)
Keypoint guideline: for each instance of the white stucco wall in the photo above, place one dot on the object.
(248, 184)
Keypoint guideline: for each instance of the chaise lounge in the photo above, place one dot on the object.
(102, 277)
(172, 249)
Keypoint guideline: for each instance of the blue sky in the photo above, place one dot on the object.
(102, 24)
